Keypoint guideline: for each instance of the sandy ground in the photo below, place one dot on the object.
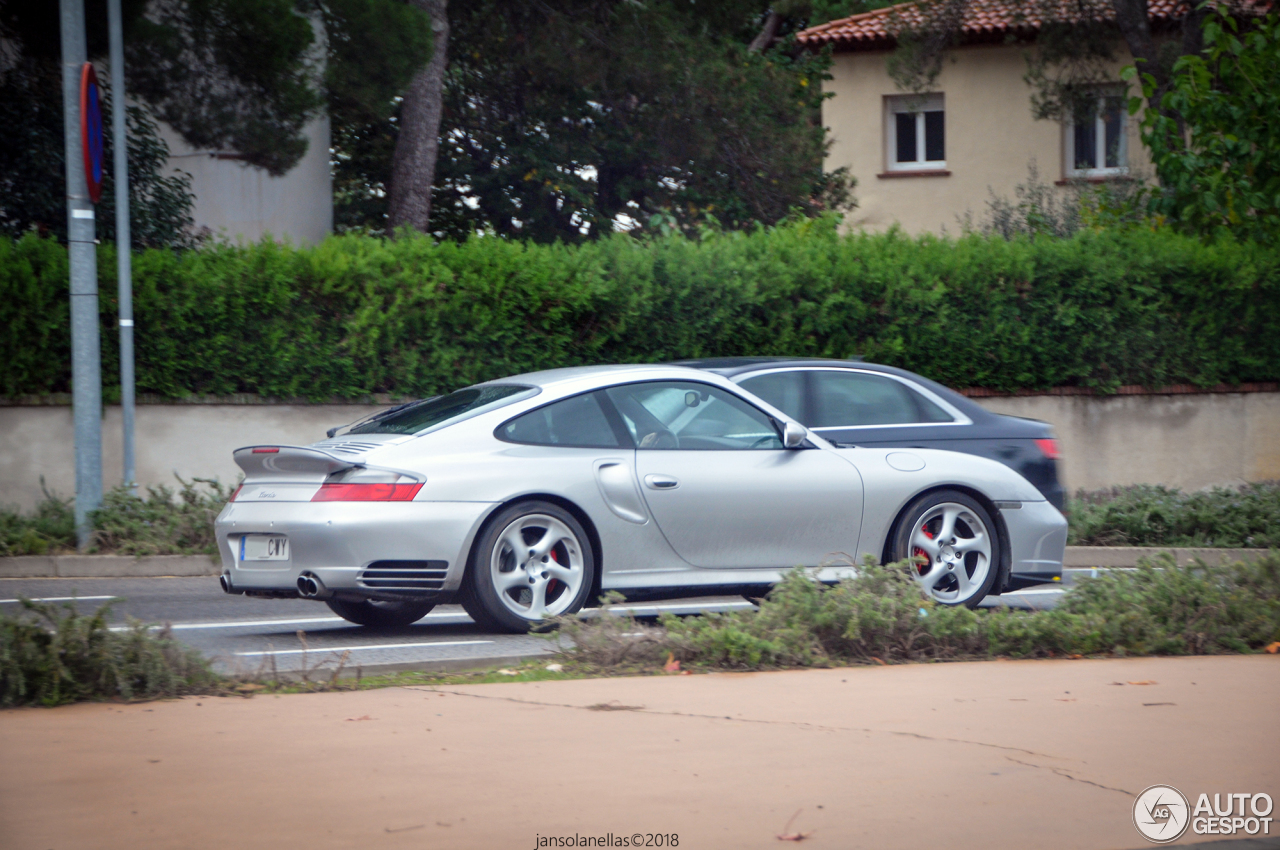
(1002, 754)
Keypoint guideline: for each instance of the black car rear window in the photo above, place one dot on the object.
(438, 411)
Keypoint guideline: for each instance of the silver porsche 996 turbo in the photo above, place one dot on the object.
(529, 496)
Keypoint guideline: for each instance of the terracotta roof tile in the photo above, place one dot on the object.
(981, 19)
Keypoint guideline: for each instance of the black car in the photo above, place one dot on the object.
(855, 403)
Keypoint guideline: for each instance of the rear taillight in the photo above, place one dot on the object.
(236, 492)
(1049, 448)
(266, 450)
(373, 492)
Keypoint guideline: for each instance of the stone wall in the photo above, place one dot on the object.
(1186, 440)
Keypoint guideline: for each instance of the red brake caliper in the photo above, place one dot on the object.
(551, 585)
(917, 552)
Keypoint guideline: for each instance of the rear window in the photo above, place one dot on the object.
(577, 421)
(432, 413)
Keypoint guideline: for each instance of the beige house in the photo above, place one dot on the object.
(925, 161)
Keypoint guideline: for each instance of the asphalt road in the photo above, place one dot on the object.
(243, 634)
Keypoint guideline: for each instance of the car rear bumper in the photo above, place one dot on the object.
(357, 549)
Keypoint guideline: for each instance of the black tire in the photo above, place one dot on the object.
(379, 614)
(516, 608)
(965, 565)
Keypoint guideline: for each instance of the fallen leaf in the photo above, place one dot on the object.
(1274, 648)
(506, 672)
(405, 828)
(1159, 703)
(1145, 682)
(1016, 699)
(672, 665)
(365, 717)
(785, 835)
(1060, 699)
(879, 661)
(1073, 657)
(1115, 683)
(555, 668)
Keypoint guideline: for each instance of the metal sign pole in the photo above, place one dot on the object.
(124, 259)
(86, 366)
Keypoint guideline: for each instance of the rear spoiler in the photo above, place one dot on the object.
(297, 462)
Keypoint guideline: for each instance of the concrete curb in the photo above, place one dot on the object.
(107, 566)
(1128, 556)
(439, 665)
(152, 566)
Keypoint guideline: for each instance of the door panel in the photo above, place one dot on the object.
(770, 509)
(723, 489)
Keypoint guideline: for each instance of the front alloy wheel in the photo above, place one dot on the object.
(533, 561)
(953, 544)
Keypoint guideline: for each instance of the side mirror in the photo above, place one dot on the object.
(794, 435)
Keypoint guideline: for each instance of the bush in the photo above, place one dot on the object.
(54, 655)
(49, 528)
(882, 616)
(1153, 515)
(125, 524)
(356, 315)
(158, 524)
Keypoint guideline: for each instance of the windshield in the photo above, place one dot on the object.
(439, 411)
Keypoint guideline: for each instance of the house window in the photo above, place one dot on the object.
(1095, 141)
(916, 133)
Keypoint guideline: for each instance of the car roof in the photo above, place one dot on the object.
(734, 365)
(575, 376)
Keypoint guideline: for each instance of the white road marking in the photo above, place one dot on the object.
(438, 615)
(322, 649)
(248, 623)
(245, 624)
(1030, 592)
(61, 598)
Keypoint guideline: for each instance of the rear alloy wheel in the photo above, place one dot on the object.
(378, 613)
(532, 561)
(954, 545)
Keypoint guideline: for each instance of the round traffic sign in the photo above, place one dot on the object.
(91, 130)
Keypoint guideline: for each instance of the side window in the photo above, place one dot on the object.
(849, 399)
(784, 390)
(576, 421)
(691, 416)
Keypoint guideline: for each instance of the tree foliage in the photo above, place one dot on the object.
(1216, 142)
(32, 175)
(562, 117)
(241, 76)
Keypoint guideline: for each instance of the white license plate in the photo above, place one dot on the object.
(264, 547)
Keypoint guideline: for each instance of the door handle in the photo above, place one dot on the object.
(661, 482)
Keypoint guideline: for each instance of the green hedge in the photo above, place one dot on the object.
(357, 315)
